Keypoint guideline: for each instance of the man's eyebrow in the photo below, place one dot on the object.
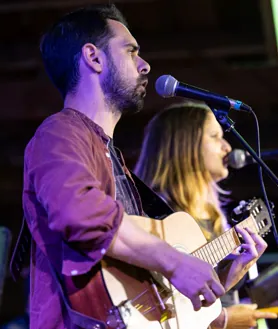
(134, 46)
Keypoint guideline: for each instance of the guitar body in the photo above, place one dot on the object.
(152, 302)
(182, 232)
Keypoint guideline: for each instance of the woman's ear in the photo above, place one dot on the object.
(92, 56)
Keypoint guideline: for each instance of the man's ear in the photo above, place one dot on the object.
(92, 56)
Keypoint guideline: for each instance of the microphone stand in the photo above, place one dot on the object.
(229, 126)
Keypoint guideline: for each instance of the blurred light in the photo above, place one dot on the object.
(274, 5)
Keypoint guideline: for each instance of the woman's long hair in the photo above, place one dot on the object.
(171, 162)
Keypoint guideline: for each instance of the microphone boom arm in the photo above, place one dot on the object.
(229, 126)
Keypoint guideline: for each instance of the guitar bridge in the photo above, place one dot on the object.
(162, 291)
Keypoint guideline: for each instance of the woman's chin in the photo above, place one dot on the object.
(220, 176)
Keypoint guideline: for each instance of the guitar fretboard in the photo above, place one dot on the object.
(215, 251)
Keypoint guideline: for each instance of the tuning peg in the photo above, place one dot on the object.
(238, 210)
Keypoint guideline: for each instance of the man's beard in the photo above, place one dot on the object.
(119, 94)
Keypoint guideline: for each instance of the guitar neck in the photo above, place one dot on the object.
(216, 250)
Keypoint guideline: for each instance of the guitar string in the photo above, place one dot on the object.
(169, 289)
(241, 224)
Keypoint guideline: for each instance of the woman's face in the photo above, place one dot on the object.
(215, 149)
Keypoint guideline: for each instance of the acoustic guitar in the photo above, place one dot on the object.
(124, 296)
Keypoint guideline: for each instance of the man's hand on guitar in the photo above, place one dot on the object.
(253, 247)
(190, 275)
(195, 278)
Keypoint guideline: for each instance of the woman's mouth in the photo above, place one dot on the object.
(225, 161)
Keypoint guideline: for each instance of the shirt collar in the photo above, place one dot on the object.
(91, 123)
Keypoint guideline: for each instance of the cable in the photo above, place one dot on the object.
(261, 179)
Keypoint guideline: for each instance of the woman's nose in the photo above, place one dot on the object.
(226, 146)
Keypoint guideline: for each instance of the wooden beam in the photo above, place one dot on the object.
(36, 5)
(220, 52)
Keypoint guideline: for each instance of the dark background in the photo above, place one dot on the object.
(224, 46)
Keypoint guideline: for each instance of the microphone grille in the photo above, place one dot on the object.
(237, 159)
(165, 86)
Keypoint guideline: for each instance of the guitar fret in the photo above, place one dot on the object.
(217, 251)
(234, 244)
(198, 255)
(208, 254)
(225, 249)
(212, 253)
(220, 249)
(203, 254)
(230, 239)
(228, 242)
(222, 246)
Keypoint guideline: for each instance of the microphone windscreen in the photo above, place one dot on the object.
(237, 159)
(165, 86)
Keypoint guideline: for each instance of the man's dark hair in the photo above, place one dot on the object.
(61, 46)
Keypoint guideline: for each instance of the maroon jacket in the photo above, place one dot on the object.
(69, 203)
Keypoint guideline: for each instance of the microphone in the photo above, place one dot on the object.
(168, 86)
(240, 158)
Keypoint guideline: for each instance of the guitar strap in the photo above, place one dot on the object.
(5, 245)
(152, 205)
(79, 319)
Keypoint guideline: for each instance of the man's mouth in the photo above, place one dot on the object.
(145, 83)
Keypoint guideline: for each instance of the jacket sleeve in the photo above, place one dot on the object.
(60, 164)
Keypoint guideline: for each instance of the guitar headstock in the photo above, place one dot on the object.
(258, 210)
